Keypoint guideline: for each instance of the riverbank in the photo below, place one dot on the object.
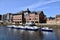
(39, 25)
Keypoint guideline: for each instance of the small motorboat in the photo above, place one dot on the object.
(16, 27)
(46, 29)
(10, 26)
(20, 27)
(31, 26)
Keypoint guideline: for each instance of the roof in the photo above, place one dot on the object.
(17, 14)
(27, 10)
(51, 18)
(57, 15)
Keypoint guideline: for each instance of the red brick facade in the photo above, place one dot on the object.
(27, 16)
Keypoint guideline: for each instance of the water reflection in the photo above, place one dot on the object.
(57, 33)
(49, 36)
(15, 34)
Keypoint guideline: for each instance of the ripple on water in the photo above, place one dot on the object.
(15, 34)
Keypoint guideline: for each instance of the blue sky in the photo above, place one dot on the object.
(50, 7)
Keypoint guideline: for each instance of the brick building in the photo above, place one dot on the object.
(17, 18)
(36, 17)
(51, 20)
(28, 16)
(57, 19)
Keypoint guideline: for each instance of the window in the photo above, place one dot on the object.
(35, 18)
(17, 22)
(29, 18)
(20, 21)
(36, 21)
(32, 21)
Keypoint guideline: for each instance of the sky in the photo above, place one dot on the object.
(49, 7)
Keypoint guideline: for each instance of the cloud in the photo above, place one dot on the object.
(40, 4)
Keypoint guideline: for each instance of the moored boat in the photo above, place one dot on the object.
(46, 29)
(16, 27)
(28, 26)
(10, 26)
(31, 27)
(34, 28)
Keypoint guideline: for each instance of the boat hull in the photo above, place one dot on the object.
(46, 30)
(27, 29)
(31, 29)
(20, 28)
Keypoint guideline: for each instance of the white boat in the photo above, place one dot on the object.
(31, 26)
(10, 26)
(28, 26)
(21, 27)
(46, 29)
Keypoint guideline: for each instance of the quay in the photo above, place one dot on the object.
(39, 25)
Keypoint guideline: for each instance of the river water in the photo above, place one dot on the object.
(15, 34)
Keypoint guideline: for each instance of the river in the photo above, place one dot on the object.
(15, 34)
